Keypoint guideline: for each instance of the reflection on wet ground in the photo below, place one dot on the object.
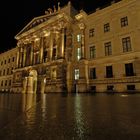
(69, 117)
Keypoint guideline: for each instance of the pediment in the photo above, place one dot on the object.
(35, 22)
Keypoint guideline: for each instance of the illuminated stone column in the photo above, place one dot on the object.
(41, 50)
(17, 62)
(31, 53)
(24, 85)
(20, 57)
(51, 46)
(24, 56)
(43, 82)
(29, 84)
(82, 28)
(62, 42)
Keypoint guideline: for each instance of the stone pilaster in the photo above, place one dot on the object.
(24, 85)
(82, 28)
(17, 61)
(51, 46)
(62, 42)
(29, 84)
(24, 56)
(32, 53)
(41, 50)
(21, 57)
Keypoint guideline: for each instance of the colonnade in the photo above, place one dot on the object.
(22, 56)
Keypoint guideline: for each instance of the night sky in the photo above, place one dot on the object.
(14, 15)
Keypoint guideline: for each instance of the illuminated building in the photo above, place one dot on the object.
(7, 65)
(70, 51)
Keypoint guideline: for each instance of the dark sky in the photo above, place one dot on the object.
(15, 14)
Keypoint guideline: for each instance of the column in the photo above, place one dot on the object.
(31, 53)
(41, 50)
(82, 28)
(20, 57)
(24, 56)
(51, 46)
(62, 42)
(18, 52)
(29, 84)
(24, 85)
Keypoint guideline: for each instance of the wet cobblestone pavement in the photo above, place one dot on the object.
(79, 117)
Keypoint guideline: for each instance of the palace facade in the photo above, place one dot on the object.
(7, 66)
(66, 50)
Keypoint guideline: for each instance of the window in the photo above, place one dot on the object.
(9, 82)
(91, 32)
(131, 87)
(6, 83)
(9, 60)
(0, 72)
(92, 73)
(106, 27)
(109, 72)
(1, 83)
(92, 52)
(1, 62)
(5, 61)
(3, 72)
(45, 56)
(54, 54)
(93, 88)
(79, 38)
(76, 74)
(126, 42)
(12, 70)
(7, 71)
(124, 21)
(13, 59)
(78, 53)
(129, 69)
(110, 88)
(108, 49)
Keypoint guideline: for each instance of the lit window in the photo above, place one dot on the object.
(76, 74)
(79, 38)
(108, 49)
(78, 53)
(124, 21)
(126, 44)
(92, 52)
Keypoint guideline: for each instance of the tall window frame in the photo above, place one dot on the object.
(106, 27)
(108, 48)
(91, 32)
(126, 43)
(92, 50)
(124, 21)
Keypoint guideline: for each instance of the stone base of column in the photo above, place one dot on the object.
(30, 85)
